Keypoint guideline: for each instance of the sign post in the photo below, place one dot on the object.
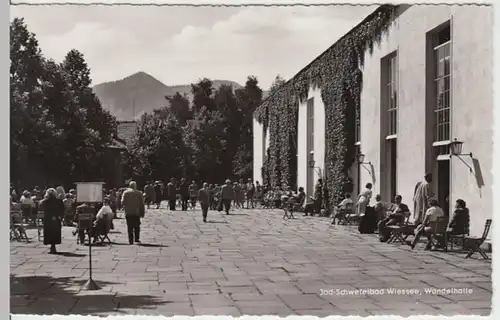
(88, 192)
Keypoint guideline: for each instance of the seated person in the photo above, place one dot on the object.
(277, 198)
(431, 215)
(344, 205)
(27, 205)
(103, 221)
(379, 208)
(460, 220)
(396, 217)
(301, 197)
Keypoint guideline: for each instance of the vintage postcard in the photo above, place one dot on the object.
(320, 160)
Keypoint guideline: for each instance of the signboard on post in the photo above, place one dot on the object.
(89, 192)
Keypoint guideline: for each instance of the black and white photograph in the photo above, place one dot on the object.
(229, 160)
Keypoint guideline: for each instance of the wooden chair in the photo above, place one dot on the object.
(17, 226)
(399, 233)
(347, 216)
(288, 207)
(39, 224)
(439, 234)
(473, 244)
(101, 237)
(457, 239)
(85, 223)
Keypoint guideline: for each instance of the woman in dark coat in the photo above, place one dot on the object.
(53, 209)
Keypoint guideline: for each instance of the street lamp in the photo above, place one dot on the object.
(456, 150)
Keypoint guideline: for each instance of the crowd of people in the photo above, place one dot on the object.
(61, 208)
(426, 211)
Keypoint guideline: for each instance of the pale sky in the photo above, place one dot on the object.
(179, 45)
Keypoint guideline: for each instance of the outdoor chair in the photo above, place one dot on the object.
(27, 212)
(18, 227)
(473, 244)
(439, 234)
(457, 240)
(101, 231)
(290, 207)
(400, 233)
(39, 224)
(347, 216)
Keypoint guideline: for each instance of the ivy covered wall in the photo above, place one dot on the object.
(338, 76)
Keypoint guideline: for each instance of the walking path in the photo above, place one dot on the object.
(252, 262)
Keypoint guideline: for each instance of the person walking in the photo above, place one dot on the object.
(423, 192)
(250, 193)
(158, 191)
(149, 191)
(53, 208)
(193, 194)
(184, 192)
(227, 195)
(204, 199)
(171, 194)
(133, 204)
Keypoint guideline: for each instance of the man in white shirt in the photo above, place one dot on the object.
(344, 205)
(431, 215)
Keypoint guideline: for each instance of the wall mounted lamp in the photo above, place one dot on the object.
(361, 159)
(312, 163)
(456, 150)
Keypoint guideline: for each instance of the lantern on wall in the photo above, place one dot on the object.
(456, 150)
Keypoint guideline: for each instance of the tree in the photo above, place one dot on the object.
(26, 76)
(58, 126)
(248, 99)
(203, 95)
(92, 127)
(157, 148)
(204, 138)
(179, 108)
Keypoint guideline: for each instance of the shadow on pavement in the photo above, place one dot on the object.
(153, 245)
(48, 295)
(213, 221)
(70, 254)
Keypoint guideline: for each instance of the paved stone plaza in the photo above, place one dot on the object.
(252, 263)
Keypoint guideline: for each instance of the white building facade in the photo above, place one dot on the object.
(428, 83)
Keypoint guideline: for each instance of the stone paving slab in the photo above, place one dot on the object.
(249, 263)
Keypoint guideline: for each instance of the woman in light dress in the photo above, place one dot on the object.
(364, 199)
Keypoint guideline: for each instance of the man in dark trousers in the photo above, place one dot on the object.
(133, 204)
(171, 194)
(149, 191)
(227, 195)
(184, 192)
(158, 190)
(204, 199)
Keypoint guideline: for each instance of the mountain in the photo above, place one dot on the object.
(134, 95)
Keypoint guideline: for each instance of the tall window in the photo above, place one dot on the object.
(442, 58)
(392, 94)
(357, 133)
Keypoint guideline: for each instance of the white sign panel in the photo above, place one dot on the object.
(89, 192)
